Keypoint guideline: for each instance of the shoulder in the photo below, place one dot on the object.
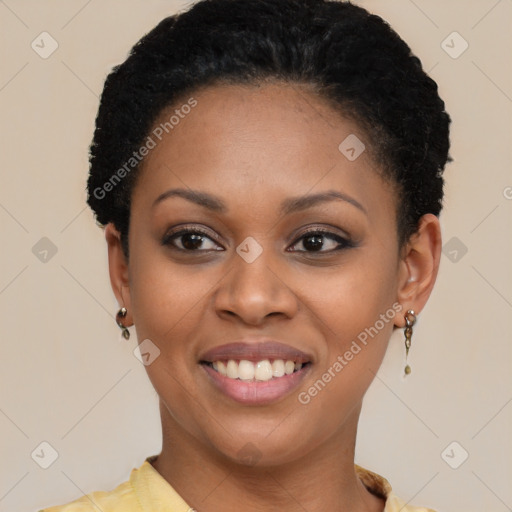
(121, 498)
(146, 489)
(379, 486)
(395, 504)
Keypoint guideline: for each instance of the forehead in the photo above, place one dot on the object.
(287, 119)
(257, 143)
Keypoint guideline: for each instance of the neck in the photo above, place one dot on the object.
(324, 479)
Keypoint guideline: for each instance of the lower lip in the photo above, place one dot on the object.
(257, 392)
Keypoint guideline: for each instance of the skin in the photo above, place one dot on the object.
(254, 147)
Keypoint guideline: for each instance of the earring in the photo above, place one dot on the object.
(120, 315)
(410, 320)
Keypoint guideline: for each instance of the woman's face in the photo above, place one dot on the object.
(255, 236)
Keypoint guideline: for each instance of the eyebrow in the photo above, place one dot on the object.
(294, 204)
(289, 205)
(201, 198)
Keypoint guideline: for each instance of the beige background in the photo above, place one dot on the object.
(68, 378)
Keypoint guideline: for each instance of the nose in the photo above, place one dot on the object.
(254, 292)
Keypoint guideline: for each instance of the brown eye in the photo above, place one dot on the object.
(313, 242)
(321, 241)
(190, 240)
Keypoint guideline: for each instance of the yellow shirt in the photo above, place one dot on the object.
(147, 491)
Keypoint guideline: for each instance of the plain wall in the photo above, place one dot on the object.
(68, 377)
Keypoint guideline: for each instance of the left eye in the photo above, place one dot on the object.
(319, 241)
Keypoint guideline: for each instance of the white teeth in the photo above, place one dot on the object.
(289, 366)
(246, 370)
(261, 371)
(232, 369)
(278, 368)
(221, 368)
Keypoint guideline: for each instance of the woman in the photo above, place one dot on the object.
(269, 175)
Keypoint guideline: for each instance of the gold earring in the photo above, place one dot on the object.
(410, 320)
(120, 315)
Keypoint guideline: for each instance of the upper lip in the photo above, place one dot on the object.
(255, 350)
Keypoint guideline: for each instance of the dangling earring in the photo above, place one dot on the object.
(120, 315)
(410, 320)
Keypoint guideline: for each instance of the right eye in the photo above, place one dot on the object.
(190, 240)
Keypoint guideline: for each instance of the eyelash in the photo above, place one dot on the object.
(343, 243)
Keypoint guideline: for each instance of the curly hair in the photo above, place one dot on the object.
(352, 58)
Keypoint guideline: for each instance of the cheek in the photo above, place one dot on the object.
(353, 297)
(353, 307)
(167, 303)
(166, 297)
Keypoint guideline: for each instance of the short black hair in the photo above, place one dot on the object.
(353, 59)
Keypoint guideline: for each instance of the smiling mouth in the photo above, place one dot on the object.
(260, 371)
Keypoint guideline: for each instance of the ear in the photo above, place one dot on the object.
(418, 266)
(118, 270)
